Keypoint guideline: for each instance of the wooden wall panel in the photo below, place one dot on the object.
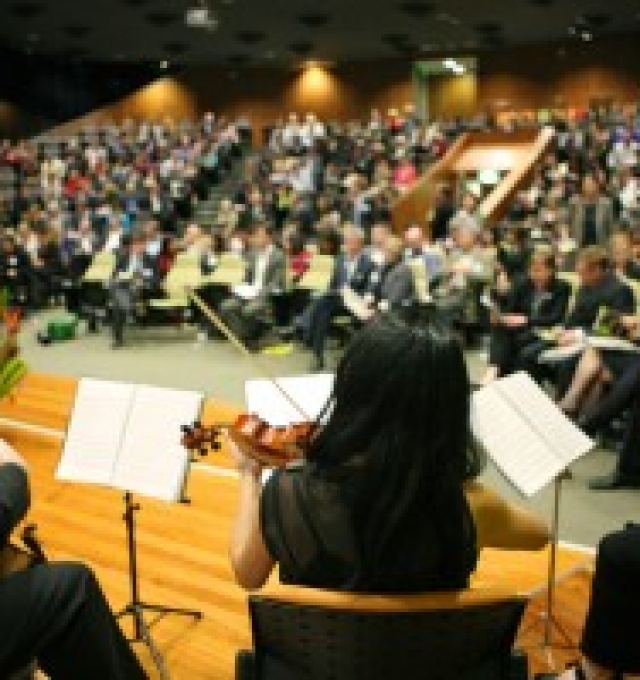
(559, 74)
(452, 96)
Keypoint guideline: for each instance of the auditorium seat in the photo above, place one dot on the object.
(302, 634)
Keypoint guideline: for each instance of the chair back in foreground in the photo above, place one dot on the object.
(302, 634)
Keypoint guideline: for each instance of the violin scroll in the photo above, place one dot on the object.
(200, 439)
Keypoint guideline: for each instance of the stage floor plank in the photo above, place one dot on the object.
(183, 561)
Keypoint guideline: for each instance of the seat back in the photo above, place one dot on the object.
(184, 273)
(467, 636)
(229, 272)
(318, 276)
(101, 267)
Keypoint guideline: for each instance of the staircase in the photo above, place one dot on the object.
(206, 211)
(513, 156)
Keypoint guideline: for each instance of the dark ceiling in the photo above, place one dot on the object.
(288, 31)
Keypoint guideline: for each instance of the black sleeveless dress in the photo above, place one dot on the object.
(309, 528)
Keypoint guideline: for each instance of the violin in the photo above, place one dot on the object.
(272, 447)
(268, 445)
(14, 558)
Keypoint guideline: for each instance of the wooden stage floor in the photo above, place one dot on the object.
(183, 561)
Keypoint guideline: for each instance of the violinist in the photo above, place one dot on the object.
(388, 499)
(53, 612)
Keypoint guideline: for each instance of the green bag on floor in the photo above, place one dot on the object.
(60, 329)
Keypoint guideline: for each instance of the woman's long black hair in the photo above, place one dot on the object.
(397, 438)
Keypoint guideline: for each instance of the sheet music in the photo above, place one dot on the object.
(152, 461)
(128, 437)
(246, 291)
(310, 392)
(95, 431)
(566, 440)
(555, 354)
(614, 344)
(524, 433)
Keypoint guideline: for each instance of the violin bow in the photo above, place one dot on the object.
(237, 343)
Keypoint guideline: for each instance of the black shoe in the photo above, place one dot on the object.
(317, 364)
(117, 344)
(614, 482)
(290, 333)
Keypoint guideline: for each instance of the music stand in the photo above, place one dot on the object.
(136, 608)
(547, 616)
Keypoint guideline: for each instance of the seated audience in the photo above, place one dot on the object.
(246, 309)
(136, 277)
(591, 215)
(394, 289)
(353, 269)
(538, 302)
(622, 260)
(600, 291)
(467, 270)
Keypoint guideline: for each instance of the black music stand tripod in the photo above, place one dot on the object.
(136, 608)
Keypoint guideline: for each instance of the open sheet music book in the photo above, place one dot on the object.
(309, 392)
(525, 434)
(128, 437)
(612, 344)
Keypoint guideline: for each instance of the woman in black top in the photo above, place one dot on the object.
(386, 501)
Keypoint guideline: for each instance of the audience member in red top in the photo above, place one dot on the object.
(405, 174)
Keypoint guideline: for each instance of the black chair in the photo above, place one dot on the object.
(315, 635)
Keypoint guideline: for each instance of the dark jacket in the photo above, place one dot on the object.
(359, 280)
(148, 269)
(611, 293)
(15, 268)
(395, 286)
(275, 274)
(552, 308)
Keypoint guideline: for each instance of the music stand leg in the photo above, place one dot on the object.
(136, 607)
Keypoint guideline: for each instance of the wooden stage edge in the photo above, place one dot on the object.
(183, 560)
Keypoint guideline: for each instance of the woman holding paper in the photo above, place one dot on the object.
(388, 500)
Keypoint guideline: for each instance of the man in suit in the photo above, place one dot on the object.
(600, 291)
(466, 270)
(591, 215)
(353, 269)
(535, 303)
(245, 310)
(395, 289)
(136, 276)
